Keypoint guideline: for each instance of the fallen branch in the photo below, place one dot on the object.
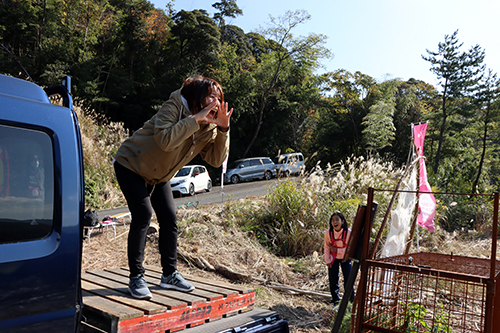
(206, 264)
(301, 291)
(227, 272)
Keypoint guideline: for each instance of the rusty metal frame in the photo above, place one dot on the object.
(475, 274)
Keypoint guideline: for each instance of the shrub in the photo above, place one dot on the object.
(295, 213)
(100, 141)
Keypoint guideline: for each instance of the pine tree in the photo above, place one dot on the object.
(459, 73)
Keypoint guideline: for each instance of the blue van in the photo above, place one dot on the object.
(250, 168)
(41, 204)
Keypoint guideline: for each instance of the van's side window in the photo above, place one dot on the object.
(26, 184)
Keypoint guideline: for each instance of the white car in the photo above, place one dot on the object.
(289, 164)
(191, 179)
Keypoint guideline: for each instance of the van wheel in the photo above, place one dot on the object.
(268, 175)
(209, 186)
(235, 179)
(191, 189)
(286, 174)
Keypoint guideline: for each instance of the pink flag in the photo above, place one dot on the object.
(427, 202)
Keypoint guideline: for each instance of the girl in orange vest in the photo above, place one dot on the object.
(336, 239)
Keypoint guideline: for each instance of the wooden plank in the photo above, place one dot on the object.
(122, 276)
(223, 291)
(206, 294)
(174, 319)
(109, 308)
(239, 288)
(118, 280)
(88, 328)
(115, 294)
(203, 290)
(226, 292)
(196, 324)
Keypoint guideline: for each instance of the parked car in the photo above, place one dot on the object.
(289, 164)
(191, 179)
(250, 168)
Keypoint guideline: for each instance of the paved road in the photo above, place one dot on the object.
(216, 196)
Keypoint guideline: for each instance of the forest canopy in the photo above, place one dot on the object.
(126, 57)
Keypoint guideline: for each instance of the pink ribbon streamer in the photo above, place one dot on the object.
(427, 202)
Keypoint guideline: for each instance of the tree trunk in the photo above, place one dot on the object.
(443, 127)
(263, 99)
(257, 130)
(38, 47)
(483, 153)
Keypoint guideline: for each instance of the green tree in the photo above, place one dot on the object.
(194, 44)
(397, 105)
(234, 35)
(124, 72)
(227, 8)
(458, 73)
(414, 101)
(488, 112)
(282, 50)
(335, 130)
(379, 131)
(18, 37)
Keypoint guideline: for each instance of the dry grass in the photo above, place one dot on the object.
(204, 232)
(100, 142)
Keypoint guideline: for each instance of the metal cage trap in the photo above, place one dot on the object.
(427, 292)
(424, 292)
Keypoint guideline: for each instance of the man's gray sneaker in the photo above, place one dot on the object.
(138, 288)
(175, 281)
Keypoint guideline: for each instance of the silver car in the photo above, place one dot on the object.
(250, 168)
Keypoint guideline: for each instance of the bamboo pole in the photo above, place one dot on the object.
(386, 216)
(415, 215)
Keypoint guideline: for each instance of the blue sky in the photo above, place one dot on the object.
(380, 38)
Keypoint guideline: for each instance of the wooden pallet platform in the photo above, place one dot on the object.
(108, 307)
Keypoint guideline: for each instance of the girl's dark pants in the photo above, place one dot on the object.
(333, 277)
(142, 199)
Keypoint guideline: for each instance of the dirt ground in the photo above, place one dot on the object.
(203, 234)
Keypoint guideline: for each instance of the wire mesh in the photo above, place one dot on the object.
(426, 292)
